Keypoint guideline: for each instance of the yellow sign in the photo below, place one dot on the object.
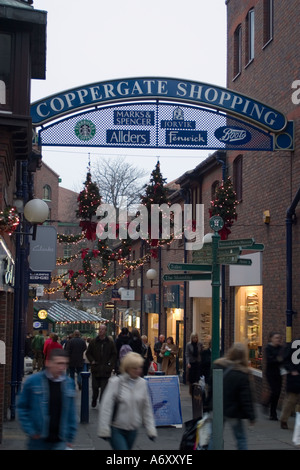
(42, 314)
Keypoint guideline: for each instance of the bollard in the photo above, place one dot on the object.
(217, 424)
(84, 415)
(197, 402)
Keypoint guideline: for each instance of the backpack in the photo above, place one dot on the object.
(125, 349)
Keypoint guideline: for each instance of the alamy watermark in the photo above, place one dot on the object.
(296, 94)
(162, 222)
(296, 354)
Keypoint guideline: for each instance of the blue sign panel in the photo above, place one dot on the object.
(233, 135)
(133, 117)
(127, 137)
(156, 125)
(186, 138)
(165, 398)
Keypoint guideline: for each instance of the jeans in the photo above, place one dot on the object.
(239, 432)
(122, 439)
(72, 371)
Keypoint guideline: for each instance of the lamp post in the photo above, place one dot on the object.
(151, 274)
(35, 212)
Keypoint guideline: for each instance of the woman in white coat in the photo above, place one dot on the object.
(126, 405)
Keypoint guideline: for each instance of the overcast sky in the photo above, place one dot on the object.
(95, 40)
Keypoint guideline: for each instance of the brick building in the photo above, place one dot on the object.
(22, 58)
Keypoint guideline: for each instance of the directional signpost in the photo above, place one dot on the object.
(208, 261)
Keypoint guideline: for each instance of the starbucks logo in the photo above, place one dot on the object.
(85, 129)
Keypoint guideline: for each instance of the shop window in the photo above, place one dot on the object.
(250, 36)
(268, 21)
(248, 321)
(237, 59)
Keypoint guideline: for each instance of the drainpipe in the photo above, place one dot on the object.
(290, 219)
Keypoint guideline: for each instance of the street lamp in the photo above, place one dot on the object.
(35, 212)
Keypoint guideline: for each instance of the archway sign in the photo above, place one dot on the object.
(159, 113)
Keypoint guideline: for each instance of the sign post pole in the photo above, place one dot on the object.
(216, 223)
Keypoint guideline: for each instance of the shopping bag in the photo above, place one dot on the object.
(152, 368)
(296, 433)
(204, 432)
(188, 439)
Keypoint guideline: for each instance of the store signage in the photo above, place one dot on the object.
(7, 267)
(134, 118)
(42, 314)
(39, 277)
(128, 294)
(151, 88)
(42, 256)
(123, 136)
(233, 135)
(187, 138)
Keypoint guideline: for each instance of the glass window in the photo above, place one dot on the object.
(250, 35)
(47, 192)
(268, 20)
(248, 321)
(237, 61)
(238, 177)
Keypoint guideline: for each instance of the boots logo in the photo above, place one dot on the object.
(233, 135)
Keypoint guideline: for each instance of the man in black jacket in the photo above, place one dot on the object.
(75, 348)
(102, 354)
(292, 396)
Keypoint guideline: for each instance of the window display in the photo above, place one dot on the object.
(248, 321)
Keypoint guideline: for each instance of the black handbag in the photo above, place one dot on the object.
(116, 403)
(189, 436)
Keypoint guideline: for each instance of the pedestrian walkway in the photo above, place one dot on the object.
(265, 434)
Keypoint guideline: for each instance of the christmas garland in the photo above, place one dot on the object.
(9, 220)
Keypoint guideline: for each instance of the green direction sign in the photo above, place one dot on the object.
(244, 262)
(240, 242)
(189, 267)
(254, 247)
(187, 277)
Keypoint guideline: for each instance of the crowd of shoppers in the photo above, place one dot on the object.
(117, 369)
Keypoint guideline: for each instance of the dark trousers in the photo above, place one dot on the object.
(275, 383)
(78, 371)
(98, 382)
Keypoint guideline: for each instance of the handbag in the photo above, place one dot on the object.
(116, 404)
(188, 439)
(204, 432)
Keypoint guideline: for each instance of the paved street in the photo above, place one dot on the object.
(265, 435)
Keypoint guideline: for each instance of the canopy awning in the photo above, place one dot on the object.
(61, 312)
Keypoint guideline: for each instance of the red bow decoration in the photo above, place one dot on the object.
(89, 228)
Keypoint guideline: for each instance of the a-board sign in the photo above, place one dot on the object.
(165, 398)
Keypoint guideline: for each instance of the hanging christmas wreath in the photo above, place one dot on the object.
(224, 205)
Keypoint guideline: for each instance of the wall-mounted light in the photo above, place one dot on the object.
(266, 217)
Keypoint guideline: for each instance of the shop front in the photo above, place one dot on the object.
(174, 308)
(248, 306)
(152, 318)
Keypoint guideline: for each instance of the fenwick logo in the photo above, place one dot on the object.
(163, 222)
